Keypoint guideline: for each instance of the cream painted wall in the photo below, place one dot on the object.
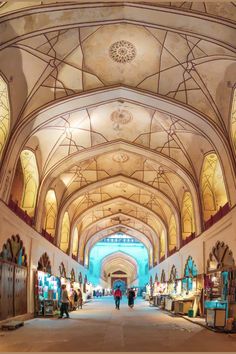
(35, 246)
(201, 247)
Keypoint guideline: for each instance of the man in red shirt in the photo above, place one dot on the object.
(117, 297)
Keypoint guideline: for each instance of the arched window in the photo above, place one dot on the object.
(172, 233)
(162, 245)
(75, 242)
(212, 186)
(51, 212)
(187, 217)
(233, 120)
(31, 181)
(4, 114)
(65, 233)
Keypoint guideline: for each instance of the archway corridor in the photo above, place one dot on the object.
(99, 327)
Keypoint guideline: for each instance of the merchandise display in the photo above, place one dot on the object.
(47, 294)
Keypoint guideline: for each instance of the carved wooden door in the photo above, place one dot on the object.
(20, 291)
(6, 290)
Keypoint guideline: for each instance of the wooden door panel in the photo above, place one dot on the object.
(20, 291)
(6, 290)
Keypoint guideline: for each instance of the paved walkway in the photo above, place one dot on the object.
(99, 327)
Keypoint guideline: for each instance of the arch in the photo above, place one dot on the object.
(190, 269)
(213, 187)
(75, 242)
(173, 236)
(162, 247)
(220, 258)
(80, 278)
(233, 120)
(4, 114)
(163, 276)
(44, 264)
(187, 216)
(113, 229)
(65, 233)
(62, 270)
(14, 251)
(31, 181)
(173, 274)
(72, 275)
(50, 212)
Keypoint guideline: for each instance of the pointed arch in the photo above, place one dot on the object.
(50, 212)
(213, 188)
(233, 120)
(14, 251)
(31, 181)
(190, 269)
(75, 242)
(172, 242)
(187, 216)
(44, 263)
(65, 233)
(162, 246)
(4, 114)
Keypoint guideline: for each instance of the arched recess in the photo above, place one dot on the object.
(190, 269)
(44, 263)
(50, 218)
(221, 258)
(163, 276)
(173, 274)
(14, 251)
(111, 231)
(26, 182)
(173, 234)
(213, 187)
(187, 216)
(62, 270)
(4, 114)
(75, 243)
(162, 246)
(105, 223)
(233, 120)
(65, 233)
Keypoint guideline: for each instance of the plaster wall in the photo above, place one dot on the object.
(35, 246)
(201, 247)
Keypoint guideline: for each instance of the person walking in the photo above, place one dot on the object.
(117, 297)
(131, 297)
(64, 302)
(80, 299)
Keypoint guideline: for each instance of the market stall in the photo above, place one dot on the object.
(160, 291)
(47, 289)
(220, 287)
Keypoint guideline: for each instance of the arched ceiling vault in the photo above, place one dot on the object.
(116, 229)
(124, 222)
(120, 261)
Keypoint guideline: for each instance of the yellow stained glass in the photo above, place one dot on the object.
(212, 186)
(172, 233)
(162, 245)
(187, 217)
(31, 181)
(75, 242)
(4, 114)
(51, 212)
(65, 233)
(233, 120)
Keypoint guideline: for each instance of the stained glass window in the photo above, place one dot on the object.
(51, 212)
(212, 186)
(65, 233)
(31, 181)
(172, 233)
(4, 114)
(187, 217)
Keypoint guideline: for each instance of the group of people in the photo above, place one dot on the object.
(76, 300)
(118, 296)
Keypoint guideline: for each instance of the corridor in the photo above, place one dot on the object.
(99, 327)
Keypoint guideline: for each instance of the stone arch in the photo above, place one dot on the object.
(44, 263)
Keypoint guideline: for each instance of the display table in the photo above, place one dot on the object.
(183, 306)
(216, 313)
(168, 304)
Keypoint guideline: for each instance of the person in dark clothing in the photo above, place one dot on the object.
(64, 302)
(131, 297)
(117, 297)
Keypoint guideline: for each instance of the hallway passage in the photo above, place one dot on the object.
(99, 327)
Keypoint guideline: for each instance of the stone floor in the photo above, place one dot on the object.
(99, 327)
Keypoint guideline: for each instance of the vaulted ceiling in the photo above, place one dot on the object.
(120, 103)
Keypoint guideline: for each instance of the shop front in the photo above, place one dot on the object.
(160, 291)
(220, 288)
(13, 279)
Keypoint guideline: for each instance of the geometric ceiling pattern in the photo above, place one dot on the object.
(120, 110)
